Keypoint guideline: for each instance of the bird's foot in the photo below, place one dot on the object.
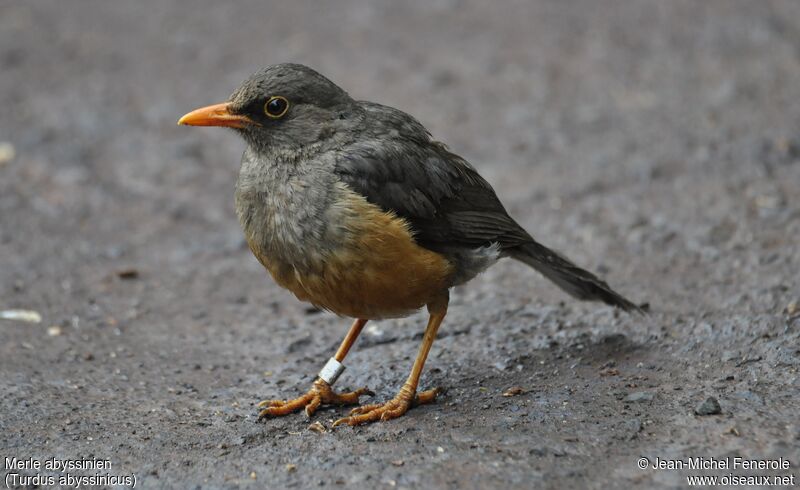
(392, 409)
(320, 393)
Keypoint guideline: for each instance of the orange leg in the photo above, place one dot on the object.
(407, 396)
(320, 391)
(349, 339)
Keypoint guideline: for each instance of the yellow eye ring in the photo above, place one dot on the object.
(276, 107)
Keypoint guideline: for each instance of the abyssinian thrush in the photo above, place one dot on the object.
(352, 206)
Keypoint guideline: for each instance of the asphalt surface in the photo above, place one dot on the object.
(653, 142)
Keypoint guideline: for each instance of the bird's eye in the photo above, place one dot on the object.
(276, 107)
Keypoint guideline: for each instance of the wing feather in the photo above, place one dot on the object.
(446, 202)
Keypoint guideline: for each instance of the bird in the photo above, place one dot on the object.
(355, 208)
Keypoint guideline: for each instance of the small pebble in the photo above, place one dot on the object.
(640, 396)
(29, 316)
(709, 407)
(129, 273)
(7, 152)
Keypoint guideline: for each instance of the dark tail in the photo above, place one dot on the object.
(577, 282)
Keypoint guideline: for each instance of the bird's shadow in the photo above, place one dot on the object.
(611, 347)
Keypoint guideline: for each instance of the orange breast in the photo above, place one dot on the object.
(376, 270)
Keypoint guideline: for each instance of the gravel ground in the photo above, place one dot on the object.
(654, 142)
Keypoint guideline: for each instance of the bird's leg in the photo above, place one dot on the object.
(407, 396)
(321, 392)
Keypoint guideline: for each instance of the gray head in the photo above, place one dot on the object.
(285, 106)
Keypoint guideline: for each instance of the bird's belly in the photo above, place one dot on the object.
(375, 270)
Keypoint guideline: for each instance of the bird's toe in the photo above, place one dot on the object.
(319, 394)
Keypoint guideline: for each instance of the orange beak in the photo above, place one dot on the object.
(215, 115)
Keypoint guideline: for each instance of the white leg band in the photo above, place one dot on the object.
(331, 371)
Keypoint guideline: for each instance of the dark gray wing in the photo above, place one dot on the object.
(442, 197)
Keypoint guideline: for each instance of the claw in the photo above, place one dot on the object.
(270, 403)
(365, 408)
(313, 406)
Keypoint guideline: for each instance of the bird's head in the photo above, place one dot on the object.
(282, 107)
